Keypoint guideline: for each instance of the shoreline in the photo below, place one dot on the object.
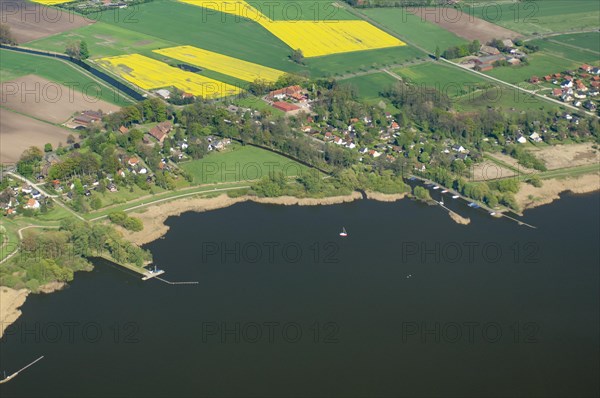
(530, 197)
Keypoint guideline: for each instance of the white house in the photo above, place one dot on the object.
(521, 139)
(535, 137)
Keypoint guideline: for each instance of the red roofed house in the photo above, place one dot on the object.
(586, 67)
(133, 161)
(123, 130)
(557, 92)
(161, 130)
(285, 92)
(285, 106)
(534, 79)
(32, 204)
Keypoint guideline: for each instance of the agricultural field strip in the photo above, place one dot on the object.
(314, 38)
(224, 64)
(149, 73)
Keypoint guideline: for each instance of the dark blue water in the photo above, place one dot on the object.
(410, 304)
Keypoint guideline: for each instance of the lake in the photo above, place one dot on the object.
(409, 304)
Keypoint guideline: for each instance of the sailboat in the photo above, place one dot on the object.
(442, 201)
(344, 233)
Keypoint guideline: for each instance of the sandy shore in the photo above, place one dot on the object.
(52, 287)
(154, 216)
(529, 196)
(10, 302)
(382, 197)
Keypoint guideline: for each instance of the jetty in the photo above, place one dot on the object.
(145, 273)
(12, 376)
(470, 202)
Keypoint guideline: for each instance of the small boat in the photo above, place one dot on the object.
(455, 196)
(344, 233)
(493, 213)
(474, 205)
(442, 202)
(436, 187)
(412, 178)
(445, 191)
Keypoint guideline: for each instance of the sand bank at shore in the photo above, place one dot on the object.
(459, 219)
(529, 196)
(10, 302)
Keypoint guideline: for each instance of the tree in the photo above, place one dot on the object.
(437, 52)
(84, 53)
(48, 147)
(70, 139)
(297, 56)
(96, 203)
(72, 50)
(5, 35)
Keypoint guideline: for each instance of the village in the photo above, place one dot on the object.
(577, 87)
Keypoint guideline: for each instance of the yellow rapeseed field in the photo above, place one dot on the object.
(235, 7)
(149, 74)
(332, 37)
(314, 38)
(238, 68)
(51, 2)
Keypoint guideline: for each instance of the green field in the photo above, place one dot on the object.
(18, 64)
(103, 40)
(452, 81)
(501, 96)
(413, 29)
(293, 10)
(240, 164)
(184, 24)
(566, 51)
(540, 64)
(541, 16)
(589, 41)
(370, 86)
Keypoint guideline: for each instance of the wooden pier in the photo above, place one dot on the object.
(12, 376)
(483, 206)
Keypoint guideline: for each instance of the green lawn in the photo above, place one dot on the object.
(254, 102)
(19, 64)
(541, 16)
(590, 41)
(413, 29)
(452, 81)
(240, 164)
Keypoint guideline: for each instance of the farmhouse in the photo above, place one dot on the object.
(161, 130)
(285, 92)
(487, 63)
(164, 94)
(285, 106)
(489, 50)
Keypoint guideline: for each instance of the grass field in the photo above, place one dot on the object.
(104, 40)
(500, 96)
(370, 86)
(589, 41)
(17, 64)
(541, 16)
(413, 29)
(566, 51)
(451, 81)
(293, 10)
(240, 164)
(540, 64)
